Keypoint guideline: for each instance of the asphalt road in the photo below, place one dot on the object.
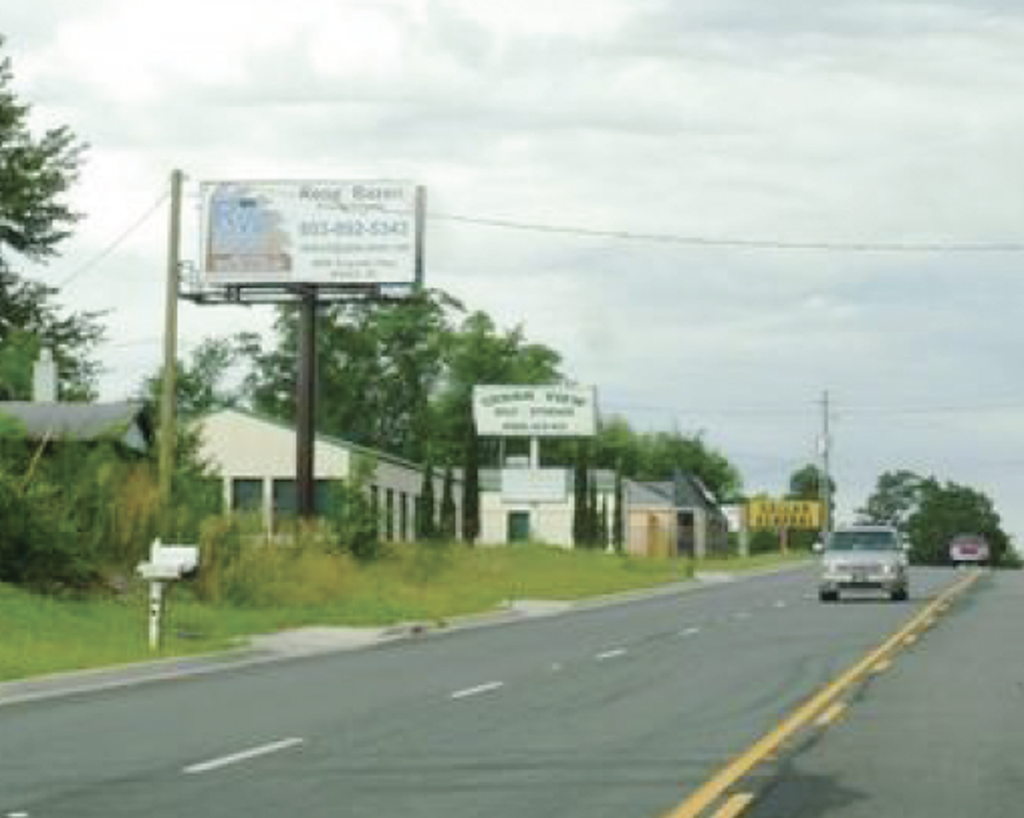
(618, 711)
(939, 735)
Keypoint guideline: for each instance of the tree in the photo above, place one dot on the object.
(447, 506)
(35, 175)
(581, 535)
(946, 510)
(619, 518)
(478, 353)
(378, 365)
(202, 380)
(896, 497)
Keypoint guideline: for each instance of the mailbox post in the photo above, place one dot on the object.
(167, 563)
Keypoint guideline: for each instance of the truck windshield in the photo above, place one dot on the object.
(863, 541)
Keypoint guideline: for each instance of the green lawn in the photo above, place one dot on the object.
(42, 635)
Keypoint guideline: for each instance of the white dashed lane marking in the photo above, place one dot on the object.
(242, 755)
(477, 690)
(610, 654)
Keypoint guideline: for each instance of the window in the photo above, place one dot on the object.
(403, 512)
(389, 511)
(246, 494)
(286, 503)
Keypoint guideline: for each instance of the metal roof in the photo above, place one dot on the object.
(124, 421)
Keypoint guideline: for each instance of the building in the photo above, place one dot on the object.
(519, 504)
(255, 457)
(674, 518)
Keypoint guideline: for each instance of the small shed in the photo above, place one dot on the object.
(674, 518)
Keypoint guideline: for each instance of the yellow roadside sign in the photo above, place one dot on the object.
(784, 514)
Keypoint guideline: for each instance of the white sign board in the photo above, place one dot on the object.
(314, 232)
(535, 411)
(534, 485)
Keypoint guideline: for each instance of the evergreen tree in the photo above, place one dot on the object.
(426, 526)
(35, 175)
(448, 506)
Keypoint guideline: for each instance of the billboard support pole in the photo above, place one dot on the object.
(305, 404)
(168, 397)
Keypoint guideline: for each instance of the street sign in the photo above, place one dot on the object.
(767, 513)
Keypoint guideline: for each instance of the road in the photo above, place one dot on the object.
(616, 711)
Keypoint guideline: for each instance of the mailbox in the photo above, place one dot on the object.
(166, 564)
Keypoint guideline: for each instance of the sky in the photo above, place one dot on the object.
(694, 149)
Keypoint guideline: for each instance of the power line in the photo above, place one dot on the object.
(110, 248)
(739, 243)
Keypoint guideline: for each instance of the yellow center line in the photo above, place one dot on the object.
(882, 666)
(712, 789)
(735, 805)
(834, 711)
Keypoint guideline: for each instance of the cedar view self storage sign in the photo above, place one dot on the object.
(535, 411)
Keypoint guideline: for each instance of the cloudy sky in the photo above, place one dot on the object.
(885, 134)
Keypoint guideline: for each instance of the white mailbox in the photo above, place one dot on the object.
(166, 564)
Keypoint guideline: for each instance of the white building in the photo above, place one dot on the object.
(520, 504)
(255, 457)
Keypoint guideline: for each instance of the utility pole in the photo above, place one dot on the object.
(825, 483)
(168, 399)
(305, 405)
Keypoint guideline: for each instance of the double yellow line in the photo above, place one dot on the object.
(765, 747)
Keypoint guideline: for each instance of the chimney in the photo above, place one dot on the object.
(44, 378)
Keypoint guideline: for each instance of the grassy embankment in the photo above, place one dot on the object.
(273, 590)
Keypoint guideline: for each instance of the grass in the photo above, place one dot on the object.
(274, 589)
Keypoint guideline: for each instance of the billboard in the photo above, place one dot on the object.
(312, 232)
(764, 513)
(535, 411)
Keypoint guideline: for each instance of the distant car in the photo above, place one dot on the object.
(968, 549)
(864, 558)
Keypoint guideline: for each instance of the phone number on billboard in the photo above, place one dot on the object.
(354, 228)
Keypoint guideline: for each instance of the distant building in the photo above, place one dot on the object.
(255, 457)
(676, 517)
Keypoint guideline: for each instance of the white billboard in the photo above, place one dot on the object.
(535, 411)
(312, 232)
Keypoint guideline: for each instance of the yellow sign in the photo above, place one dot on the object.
(784, 514)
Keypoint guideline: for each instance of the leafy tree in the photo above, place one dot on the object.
(202, 379)
(35, 175)
(378, 365)
(946, 510)
(896, 497)
(479, 353)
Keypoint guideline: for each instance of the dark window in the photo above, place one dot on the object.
(403, 515)
(389, 510)
(375, 505)
(246, 494)
(286, 503)
(325, 497)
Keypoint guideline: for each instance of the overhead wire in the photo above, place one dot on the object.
(91, 264)
(737, 243)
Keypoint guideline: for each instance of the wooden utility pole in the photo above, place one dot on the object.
(168, 399)
(825, 483)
